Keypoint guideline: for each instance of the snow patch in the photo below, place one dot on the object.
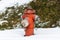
(40, 34)
(2, 21)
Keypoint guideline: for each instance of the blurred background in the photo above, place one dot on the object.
(47, 10)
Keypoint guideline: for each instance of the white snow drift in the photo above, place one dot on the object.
(40, 34)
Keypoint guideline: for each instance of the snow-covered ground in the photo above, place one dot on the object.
(40, 34)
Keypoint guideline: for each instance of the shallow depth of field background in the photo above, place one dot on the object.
(47, 10)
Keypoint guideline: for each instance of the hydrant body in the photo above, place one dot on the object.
(29, 30)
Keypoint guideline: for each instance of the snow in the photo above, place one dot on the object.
(2, 21)
(40, 34)
(9, 3)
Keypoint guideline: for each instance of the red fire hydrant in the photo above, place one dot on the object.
(30, 16)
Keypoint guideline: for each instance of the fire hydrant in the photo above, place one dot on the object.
(28, 23)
